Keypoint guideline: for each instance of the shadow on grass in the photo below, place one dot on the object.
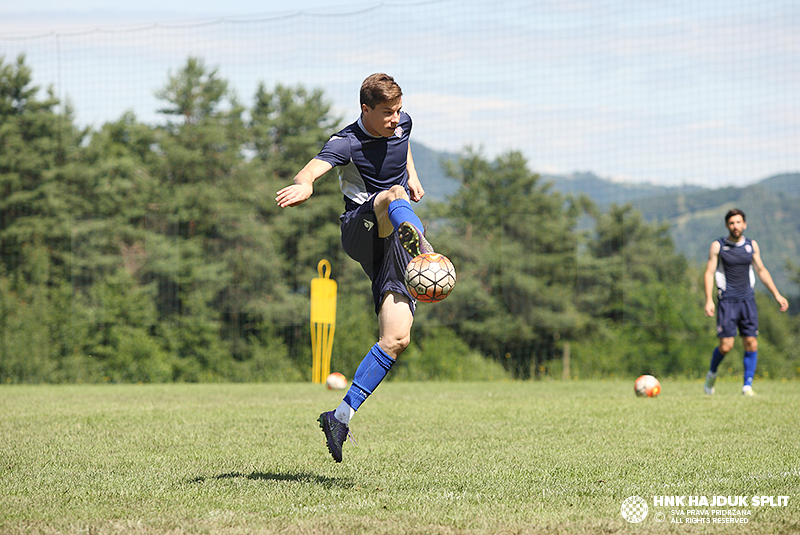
(298, 477)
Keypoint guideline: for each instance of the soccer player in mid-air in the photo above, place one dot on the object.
(731, 263)
(379, 229)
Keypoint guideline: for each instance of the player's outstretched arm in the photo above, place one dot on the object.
(303, 186)
(415, 189)
(766, 278)
(708, 278)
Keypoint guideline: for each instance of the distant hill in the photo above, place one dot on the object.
(695, 214)
(429, 164)
(788, 183)
(606, 192)
(772, 220)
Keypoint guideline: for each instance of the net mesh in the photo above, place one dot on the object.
(679, 91)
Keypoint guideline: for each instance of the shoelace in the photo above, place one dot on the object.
(351, 437)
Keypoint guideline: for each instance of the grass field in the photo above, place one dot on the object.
(432, 458)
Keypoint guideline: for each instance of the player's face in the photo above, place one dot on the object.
(383, 118)
(736, 226)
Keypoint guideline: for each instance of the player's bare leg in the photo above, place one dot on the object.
(381, 207)
(394, 324)
(393, 211)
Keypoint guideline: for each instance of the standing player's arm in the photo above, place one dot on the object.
(303, 186)
(708, 277)
(766, 278)
(415, 188)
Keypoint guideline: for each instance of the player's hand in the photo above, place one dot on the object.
(294, 195)
(415, 190)
(782, 302)
(710, 309)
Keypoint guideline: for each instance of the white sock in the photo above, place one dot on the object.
(344, 413)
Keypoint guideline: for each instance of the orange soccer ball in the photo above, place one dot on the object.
(430, 277)
(647, 385)
(336, 381)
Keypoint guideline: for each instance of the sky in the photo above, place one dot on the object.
(70, 14)
(670, 92)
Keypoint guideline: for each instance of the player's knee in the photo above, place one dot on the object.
(395, 346)
(386, 197)
(725, 346)
(751, 343)
(397, 192)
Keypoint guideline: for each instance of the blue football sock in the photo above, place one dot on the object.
(750, 361)
(716, 358)
(368, 376)
(400, 211)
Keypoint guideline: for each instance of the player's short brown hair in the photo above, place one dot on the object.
(379, 88)
(734, 212)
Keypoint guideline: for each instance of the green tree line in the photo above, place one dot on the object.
(155, 253)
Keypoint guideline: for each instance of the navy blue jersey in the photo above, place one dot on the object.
(369, 164)
(735, 276)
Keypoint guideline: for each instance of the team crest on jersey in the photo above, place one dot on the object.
(748, 248)
(398, 131)
(368, 224)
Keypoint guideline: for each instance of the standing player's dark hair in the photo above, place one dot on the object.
(734, 212)
(379, 88)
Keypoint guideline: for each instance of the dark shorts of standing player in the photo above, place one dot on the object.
(737, 314)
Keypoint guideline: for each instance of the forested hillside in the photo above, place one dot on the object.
(771, 207)
(156, 252)
(694, 214)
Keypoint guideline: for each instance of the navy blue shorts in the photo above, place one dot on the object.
(741, 314)
(383, 259)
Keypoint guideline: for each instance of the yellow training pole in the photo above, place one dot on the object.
(323, 321)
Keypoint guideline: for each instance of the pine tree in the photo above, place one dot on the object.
(37, 141)
(515, 244)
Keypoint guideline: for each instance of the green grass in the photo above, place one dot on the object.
(448, 458)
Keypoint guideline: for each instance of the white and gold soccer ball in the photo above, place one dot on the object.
(336, 381)
(430, 277)
(647, 385)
